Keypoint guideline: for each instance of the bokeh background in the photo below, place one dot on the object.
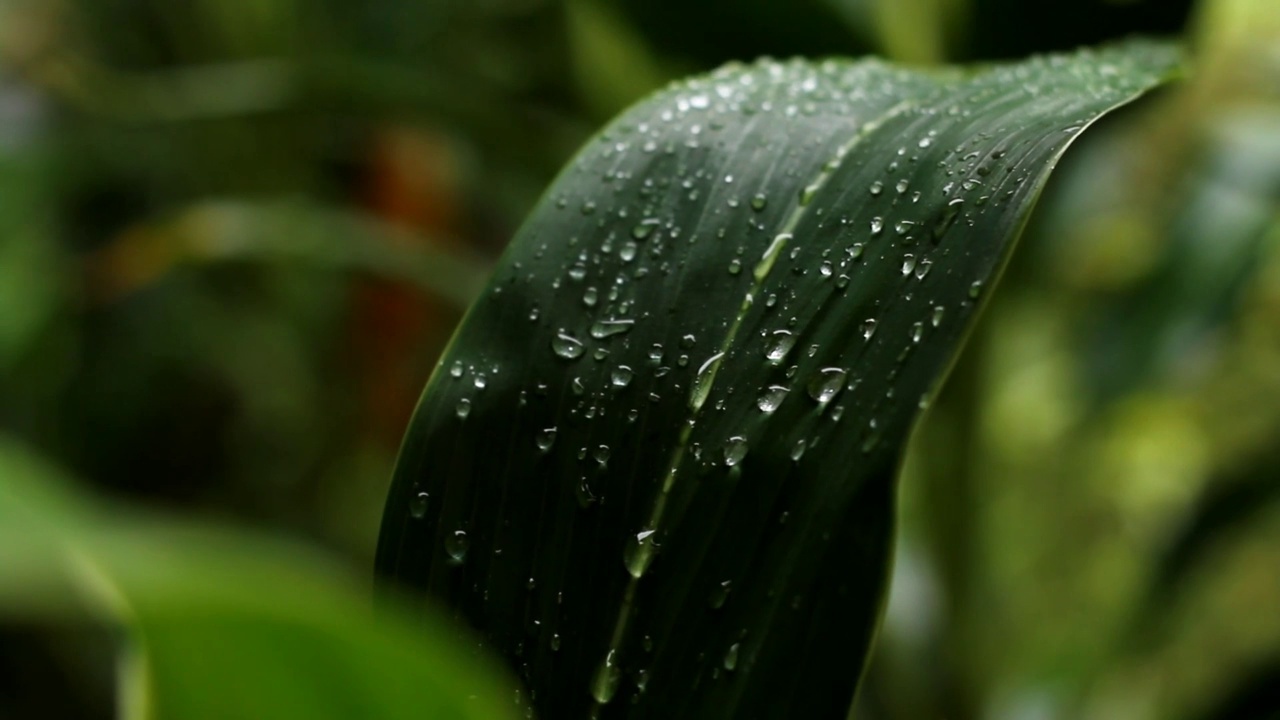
(234, 236)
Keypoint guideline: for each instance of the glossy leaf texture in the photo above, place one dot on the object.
(656, 466)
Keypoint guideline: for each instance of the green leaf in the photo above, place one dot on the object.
(222, 624)
(656, 466)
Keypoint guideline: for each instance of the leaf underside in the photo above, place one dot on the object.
(655, 467)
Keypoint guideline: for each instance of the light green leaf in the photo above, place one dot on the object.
(223, 624)
(656, 466)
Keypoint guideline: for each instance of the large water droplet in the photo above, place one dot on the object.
(949, 215)
(418, 505)
(605, 683)
(868, 328)
(602, 329)
(908, 263)
(703, 380)
(638, 553)
(628, 251)
(590, 296)
(719, 594)
(463, 409)
(779, 344)
(975, 289)
(644, 228)
(936, 318)
(735, 266)
(735, 450)
(876, 188)
(567, 346)
(456, 545)
(917, 331)
(731, 657)
(456, 370)
(621, 376)
(771, 398)
(826, 384)
(759, 202)
(877, 225)
(545, 439)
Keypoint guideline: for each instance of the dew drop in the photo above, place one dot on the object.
(735, 266)
(719, 594)
(601, 454)
(936, 318)
(908, 263)
(868, 328)
(456, 545)
(855, 251)
(735, 450)
(590, 296)
(638, 553)
(975, 289)
(877, 225)
(902, 227)
(797, 450)
(602, 329)
(418, 505)
(605, 683)
(771, 398)
(826, 268)
(759, 202)
(826, 384)
(644, 228)
(917, 332)
(545, 439)
(902, 186)
(655, 354)
(731, 657)
(627, 252)
(949, 215)
(808, 192)
(876, 188)
(567, 346)
(463, 409)
(456, 370)
(780, 343)
(621, 376)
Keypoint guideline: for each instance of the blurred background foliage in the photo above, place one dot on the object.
(234, 236)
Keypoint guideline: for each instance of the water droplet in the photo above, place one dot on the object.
(655, 354)
(868, 328)
(902, 186)
(902, 227)
(797, 451)
(703, 380)
(639, 553)
(456, 544)
(621, 376)
(602, 329)
(922, 270)
(917, 332)
(463, 409)
(588, 208)
(876, 188)
(936, 318)
(601, 454)
(735, 450)
(456, 370)
(855, 251)
(545, 439)
(908, 263)
(735, 266)
(826, 384)
(418, 505)
(567, 346)
(590, 296)
(578, 272)
(627, 252)
(771, 398)
(949, 215)
(688, 341)
(555, 642)
(759, 202)
(826, 269)
(731, 657)
(877, 225)
(975, 289)
(807, 193)
(644, 228)
(605, 683)
(719, 594)
(780, 343)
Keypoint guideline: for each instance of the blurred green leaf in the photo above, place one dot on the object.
(656, 466)
(223, 624)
